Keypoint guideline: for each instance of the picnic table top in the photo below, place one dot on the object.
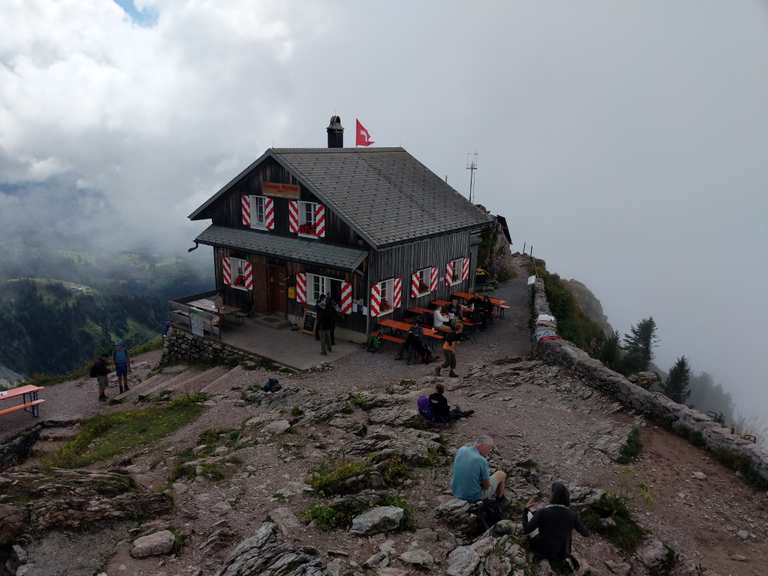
(420, 310)
(406, 326)
(20, 391)
(441, 302)
(464, 295)
(210, 306)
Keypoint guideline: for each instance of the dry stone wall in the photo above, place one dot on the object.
(184, 347)
(738, 453)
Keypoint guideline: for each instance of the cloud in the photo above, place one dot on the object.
(151, 117)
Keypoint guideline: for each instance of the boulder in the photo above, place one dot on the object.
(12, 525)
(656, 556)
(277, 427)
(285, 520)
(417, 557)
(377, 520)
(462, 561)
(383, 442)
(266, 554)
(155, 544)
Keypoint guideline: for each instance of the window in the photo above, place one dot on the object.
(387, 291)
(425, 281)
(458, 265)
(240, 270)
(258, 212)
(318, 285)
(307, 219)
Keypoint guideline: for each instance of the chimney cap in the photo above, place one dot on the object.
(335, 123)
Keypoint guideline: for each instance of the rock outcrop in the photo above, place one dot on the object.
(267, 554)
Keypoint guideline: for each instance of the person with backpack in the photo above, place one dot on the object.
(550, 528)
(472, 479)
(449, 351)
(100, 371)
(325, 320)
(440, 409)
(122, 366)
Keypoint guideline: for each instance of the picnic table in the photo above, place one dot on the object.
(464, 295)
(400, 326)
(223, 311)
(29, 399)
(420, 310)
(440, 302)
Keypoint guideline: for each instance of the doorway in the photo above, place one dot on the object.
(277, 289)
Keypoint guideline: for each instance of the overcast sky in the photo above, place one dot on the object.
(626, 140)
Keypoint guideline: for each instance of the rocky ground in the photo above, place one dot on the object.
(244, 501)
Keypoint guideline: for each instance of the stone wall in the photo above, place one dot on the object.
(183, 346)
(734, 451)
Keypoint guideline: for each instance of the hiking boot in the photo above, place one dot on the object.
(102, 398)
(453, 374)
(437, 371)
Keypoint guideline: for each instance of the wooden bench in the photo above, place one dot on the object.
(29, 407)
(389, 337)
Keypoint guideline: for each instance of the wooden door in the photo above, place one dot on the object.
(278, 289)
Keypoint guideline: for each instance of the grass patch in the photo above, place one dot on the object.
(297, 412)
(325, 517)
(395, 471)
(107, 435)
(631, 449)
(360, 400)
(329, 479)
(611, 518)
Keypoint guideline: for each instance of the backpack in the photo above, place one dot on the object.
(424, 408)
(491, 511)
(121, 357)
(271, 385)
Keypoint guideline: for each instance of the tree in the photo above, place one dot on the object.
(639, 344)
(677, 385)
(709, 396)
(610, 351)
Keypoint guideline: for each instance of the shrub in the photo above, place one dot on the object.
(631, 448)
(324, 517)
(394, 471)
(611, 518)
(329, 479)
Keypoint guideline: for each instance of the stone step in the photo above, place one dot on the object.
(223, 383)
(196, 384)
(175, 380)
(137, 389)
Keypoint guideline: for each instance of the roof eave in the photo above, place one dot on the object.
(198, 213)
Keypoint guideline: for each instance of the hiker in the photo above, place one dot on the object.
(449, 351)
(550, 527)
(414, 342)
(441, 410)
(324, 323)
(319, 308)
(122, 366)
(472, 479)
(100, 371)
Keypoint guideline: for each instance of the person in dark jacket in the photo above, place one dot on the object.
(100, 371)
(334, 312)
(550, 528)
(441, 410)
(325, 320)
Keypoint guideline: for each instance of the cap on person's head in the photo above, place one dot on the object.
(560, 494)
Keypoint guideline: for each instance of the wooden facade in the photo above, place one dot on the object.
(274, 289)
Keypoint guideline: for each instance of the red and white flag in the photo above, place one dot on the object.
(362, 136)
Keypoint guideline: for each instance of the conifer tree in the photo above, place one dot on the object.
(610, 351)
(677, 386)
(639, 344)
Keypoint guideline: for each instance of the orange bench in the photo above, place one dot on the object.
(29, 399)
(389, 337)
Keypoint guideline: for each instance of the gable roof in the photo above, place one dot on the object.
(384, 194)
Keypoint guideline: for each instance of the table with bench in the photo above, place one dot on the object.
(397, 327)
(29, 400)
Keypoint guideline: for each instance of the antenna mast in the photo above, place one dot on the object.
(472, 167)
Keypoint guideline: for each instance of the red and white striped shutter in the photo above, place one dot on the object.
(465, 268)
(449, 273)
(245, 203)
(398, 292)
(414, 285)
(293, 216)
(248, 273)
(301, 287)
(226, 271)
(346, 298)
(433, 280)
(269, 213)
(375, 300)
(320, 221)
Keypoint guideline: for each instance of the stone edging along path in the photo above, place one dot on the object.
(732, 450)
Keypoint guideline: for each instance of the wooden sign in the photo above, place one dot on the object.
(308, 325)
(279, 190)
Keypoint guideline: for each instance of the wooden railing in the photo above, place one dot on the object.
(196, 320)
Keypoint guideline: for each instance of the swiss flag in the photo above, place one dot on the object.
(362, 136)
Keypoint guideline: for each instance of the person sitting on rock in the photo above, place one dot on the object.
(550, 528)
(441, 410)
(472, 479)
